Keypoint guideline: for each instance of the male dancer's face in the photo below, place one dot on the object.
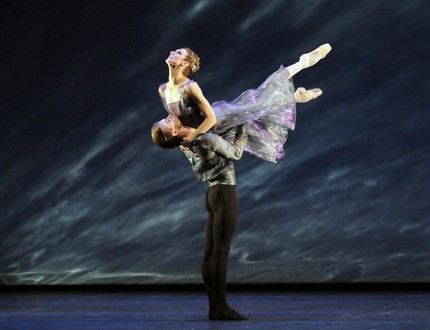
(170, 126)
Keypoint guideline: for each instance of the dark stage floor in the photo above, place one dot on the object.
(271, 309)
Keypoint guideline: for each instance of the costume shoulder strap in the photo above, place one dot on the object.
(161, 89)
(190, 83)
(188, 87)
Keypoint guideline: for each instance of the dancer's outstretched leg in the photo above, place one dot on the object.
(315, 56)
(302, 95)
(307, 60)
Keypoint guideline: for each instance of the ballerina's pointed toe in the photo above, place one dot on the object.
(302, 95)
(315, 56)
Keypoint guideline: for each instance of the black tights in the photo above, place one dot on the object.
(222, 206)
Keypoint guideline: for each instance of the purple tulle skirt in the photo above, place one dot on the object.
(270, 111)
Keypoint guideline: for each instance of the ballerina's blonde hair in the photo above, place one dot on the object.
(194, 62)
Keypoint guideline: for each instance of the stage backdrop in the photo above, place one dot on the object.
(86, 198)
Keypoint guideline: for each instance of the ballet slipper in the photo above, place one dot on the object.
(302, 95)
(312, 58)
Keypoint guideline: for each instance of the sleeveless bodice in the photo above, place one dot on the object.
(185, 109)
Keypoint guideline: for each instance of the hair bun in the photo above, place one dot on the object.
(194, 61)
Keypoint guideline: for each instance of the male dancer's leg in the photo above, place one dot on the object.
(222, 206)
(206, 269)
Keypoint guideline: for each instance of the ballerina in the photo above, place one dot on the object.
(270, 109)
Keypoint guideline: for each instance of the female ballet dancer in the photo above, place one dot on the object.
(270, 109)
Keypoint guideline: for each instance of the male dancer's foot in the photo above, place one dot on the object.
(302, 95)
(227, 315)
(312, 58)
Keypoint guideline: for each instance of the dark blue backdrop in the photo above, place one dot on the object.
(87, 199)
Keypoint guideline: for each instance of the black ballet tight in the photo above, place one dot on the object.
(222, 206)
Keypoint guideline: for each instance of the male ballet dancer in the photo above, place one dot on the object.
(212, 158)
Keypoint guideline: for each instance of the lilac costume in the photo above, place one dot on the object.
(270, 110)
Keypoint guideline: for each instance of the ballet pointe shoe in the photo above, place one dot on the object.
(302, 95)
(312, 58)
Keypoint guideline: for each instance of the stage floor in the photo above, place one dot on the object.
(100, 310)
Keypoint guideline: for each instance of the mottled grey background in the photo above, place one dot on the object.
(87, 199)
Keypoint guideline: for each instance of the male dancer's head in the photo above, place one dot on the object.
(169, 132)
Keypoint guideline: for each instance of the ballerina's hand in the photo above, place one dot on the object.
(190, 137)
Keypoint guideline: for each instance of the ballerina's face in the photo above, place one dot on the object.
(177, 57)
